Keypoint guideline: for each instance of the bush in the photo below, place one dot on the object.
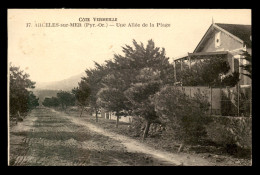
(229, 131)
(186, 115)
(137, 127)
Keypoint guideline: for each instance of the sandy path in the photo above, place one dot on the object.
(135, 146)
(50, 138)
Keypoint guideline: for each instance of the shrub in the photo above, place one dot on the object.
(231, 131)
(137, 127)
(186, 115)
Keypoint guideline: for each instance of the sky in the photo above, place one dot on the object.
(55, 53)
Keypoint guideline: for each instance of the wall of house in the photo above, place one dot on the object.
(227, 43)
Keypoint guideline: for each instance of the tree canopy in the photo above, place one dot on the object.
(133, 78)
(208, 72)
(21, 98)
(51, 102)
(66, 99)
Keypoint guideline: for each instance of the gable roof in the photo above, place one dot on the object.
(242, 33)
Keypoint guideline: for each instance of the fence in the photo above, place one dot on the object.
(224, 101)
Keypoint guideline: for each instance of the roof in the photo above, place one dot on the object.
(181, 57)
(243, 32)
(208, 53)
(239, 32)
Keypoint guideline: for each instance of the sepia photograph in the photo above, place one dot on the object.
(129, 87)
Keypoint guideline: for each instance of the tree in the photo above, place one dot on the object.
(112, 98)
(82, 93)
(129, 78)
(248, 66)
(51, 102)
(21, 98)
(66, 99)
(94, 80)
(140, 95)
(32, 101)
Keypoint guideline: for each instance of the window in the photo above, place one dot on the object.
(217, 39)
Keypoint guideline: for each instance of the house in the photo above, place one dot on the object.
(224, 40)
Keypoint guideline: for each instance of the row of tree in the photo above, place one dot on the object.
(126, 85)
(63, 99)
(134, 84)
(21, 97)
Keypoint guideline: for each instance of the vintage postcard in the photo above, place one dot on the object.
(129, 87)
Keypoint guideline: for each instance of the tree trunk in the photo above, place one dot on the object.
(81, 111)
(117, 121)
(146, 130)
(96, 116)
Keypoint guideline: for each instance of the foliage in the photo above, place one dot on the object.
(111, 96)
(208, 72)
(135, 77)
(140, 94)
(66, 99)
(21, 98)
(247, 67)
(81, 93)
(51, 102)
(230, 80)
(232, 133)
(186, 115)
(32, 101)
(94, 82)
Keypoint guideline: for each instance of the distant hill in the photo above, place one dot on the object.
(66, 84)
(50, 89)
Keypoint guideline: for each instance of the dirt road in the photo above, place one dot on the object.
(51, 138)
